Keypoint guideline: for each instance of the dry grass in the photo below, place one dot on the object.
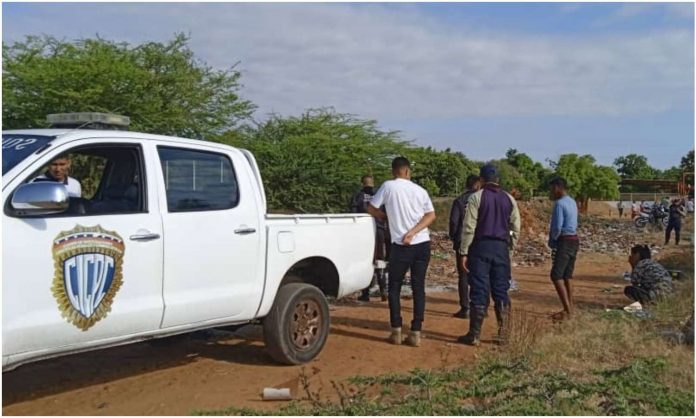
(525, 331)
(595, 340)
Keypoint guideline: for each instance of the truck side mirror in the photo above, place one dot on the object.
(42, 198)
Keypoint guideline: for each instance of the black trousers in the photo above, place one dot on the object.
(402, 259)
(676, 226)
(637, 294)
(382, 250)
(463, 285)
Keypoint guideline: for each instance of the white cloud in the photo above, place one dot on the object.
(569, 7)
(627, 11)
(396, 64)
(681, 10)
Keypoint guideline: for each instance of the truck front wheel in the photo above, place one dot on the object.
(297, 327)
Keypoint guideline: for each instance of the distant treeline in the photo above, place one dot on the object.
(310, 162)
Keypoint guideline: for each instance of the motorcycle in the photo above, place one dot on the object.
(659, 215)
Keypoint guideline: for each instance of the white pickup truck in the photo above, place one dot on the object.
(167, 236)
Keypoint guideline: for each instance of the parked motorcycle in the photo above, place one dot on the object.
(658, 215)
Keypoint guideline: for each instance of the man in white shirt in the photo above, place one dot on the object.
(58, 172)
(409, 213)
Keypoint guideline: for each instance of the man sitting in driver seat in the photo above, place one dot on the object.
(58, 171)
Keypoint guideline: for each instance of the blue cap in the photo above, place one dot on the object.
(488, 172)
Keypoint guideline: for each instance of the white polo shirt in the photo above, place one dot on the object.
(406, 204)
(74, 187)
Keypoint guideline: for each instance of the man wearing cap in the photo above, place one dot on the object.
(410, 211)
(489, 233)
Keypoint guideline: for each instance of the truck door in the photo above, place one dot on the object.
(212, 237)
(94, 272)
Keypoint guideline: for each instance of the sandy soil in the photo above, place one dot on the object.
(193, 373)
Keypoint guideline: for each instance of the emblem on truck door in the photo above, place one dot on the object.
(88, 262)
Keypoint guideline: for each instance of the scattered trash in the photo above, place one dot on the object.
(676, 274)
(634, 307)
(675, 337)
(273, 394)
(642, 314)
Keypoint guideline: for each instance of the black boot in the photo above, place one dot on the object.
(475, 322)
(365, 295)
(502, 314)
(462, 314)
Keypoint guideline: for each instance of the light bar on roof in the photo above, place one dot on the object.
(88, 117)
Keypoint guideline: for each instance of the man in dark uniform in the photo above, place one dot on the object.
(676, 213)
(455, 233)
(489, 233)
(358, 204)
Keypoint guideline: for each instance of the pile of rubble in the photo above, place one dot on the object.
(532, 249)
(606, 236)
(597, 235)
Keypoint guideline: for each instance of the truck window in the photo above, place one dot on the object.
(198, 180)
(103, 179)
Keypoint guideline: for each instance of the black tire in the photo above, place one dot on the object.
(641, 222)
(297, 327)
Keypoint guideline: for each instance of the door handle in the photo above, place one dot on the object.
(144, 237)
(244, 231)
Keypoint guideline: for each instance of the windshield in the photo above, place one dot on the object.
(17, 147)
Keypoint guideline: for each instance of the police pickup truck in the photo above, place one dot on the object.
(166, 236)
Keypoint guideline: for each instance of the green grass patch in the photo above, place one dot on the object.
(498, 387)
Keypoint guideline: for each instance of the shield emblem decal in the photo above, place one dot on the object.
(88, 272)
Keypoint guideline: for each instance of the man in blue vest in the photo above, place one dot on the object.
(490, 230)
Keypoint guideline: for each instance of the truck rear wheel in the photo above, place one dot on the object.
(297, 327)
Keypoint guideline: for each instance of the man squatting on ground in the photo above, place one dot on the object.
(455, 233)
(649, 280)
(489, 233)
(564, 244)
(358, 204)
(409, 213)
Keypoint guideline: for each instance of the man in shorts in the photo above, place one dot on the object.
(564, 244)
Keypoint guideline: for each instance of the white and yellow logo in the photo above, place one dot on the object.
(88, 273)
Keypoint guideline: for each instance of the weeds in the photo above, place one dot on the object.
(598, 363)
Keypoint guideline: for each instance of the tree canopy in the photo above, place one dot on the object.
(634, 166)
(310, 163)
(160, 86)
(587, 180)
(313, 162)
(527, 176)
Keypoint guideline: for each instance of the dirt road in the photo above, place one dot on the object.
(192, 373)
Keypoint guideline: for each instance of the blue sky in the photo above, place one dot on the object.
(545, 78)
